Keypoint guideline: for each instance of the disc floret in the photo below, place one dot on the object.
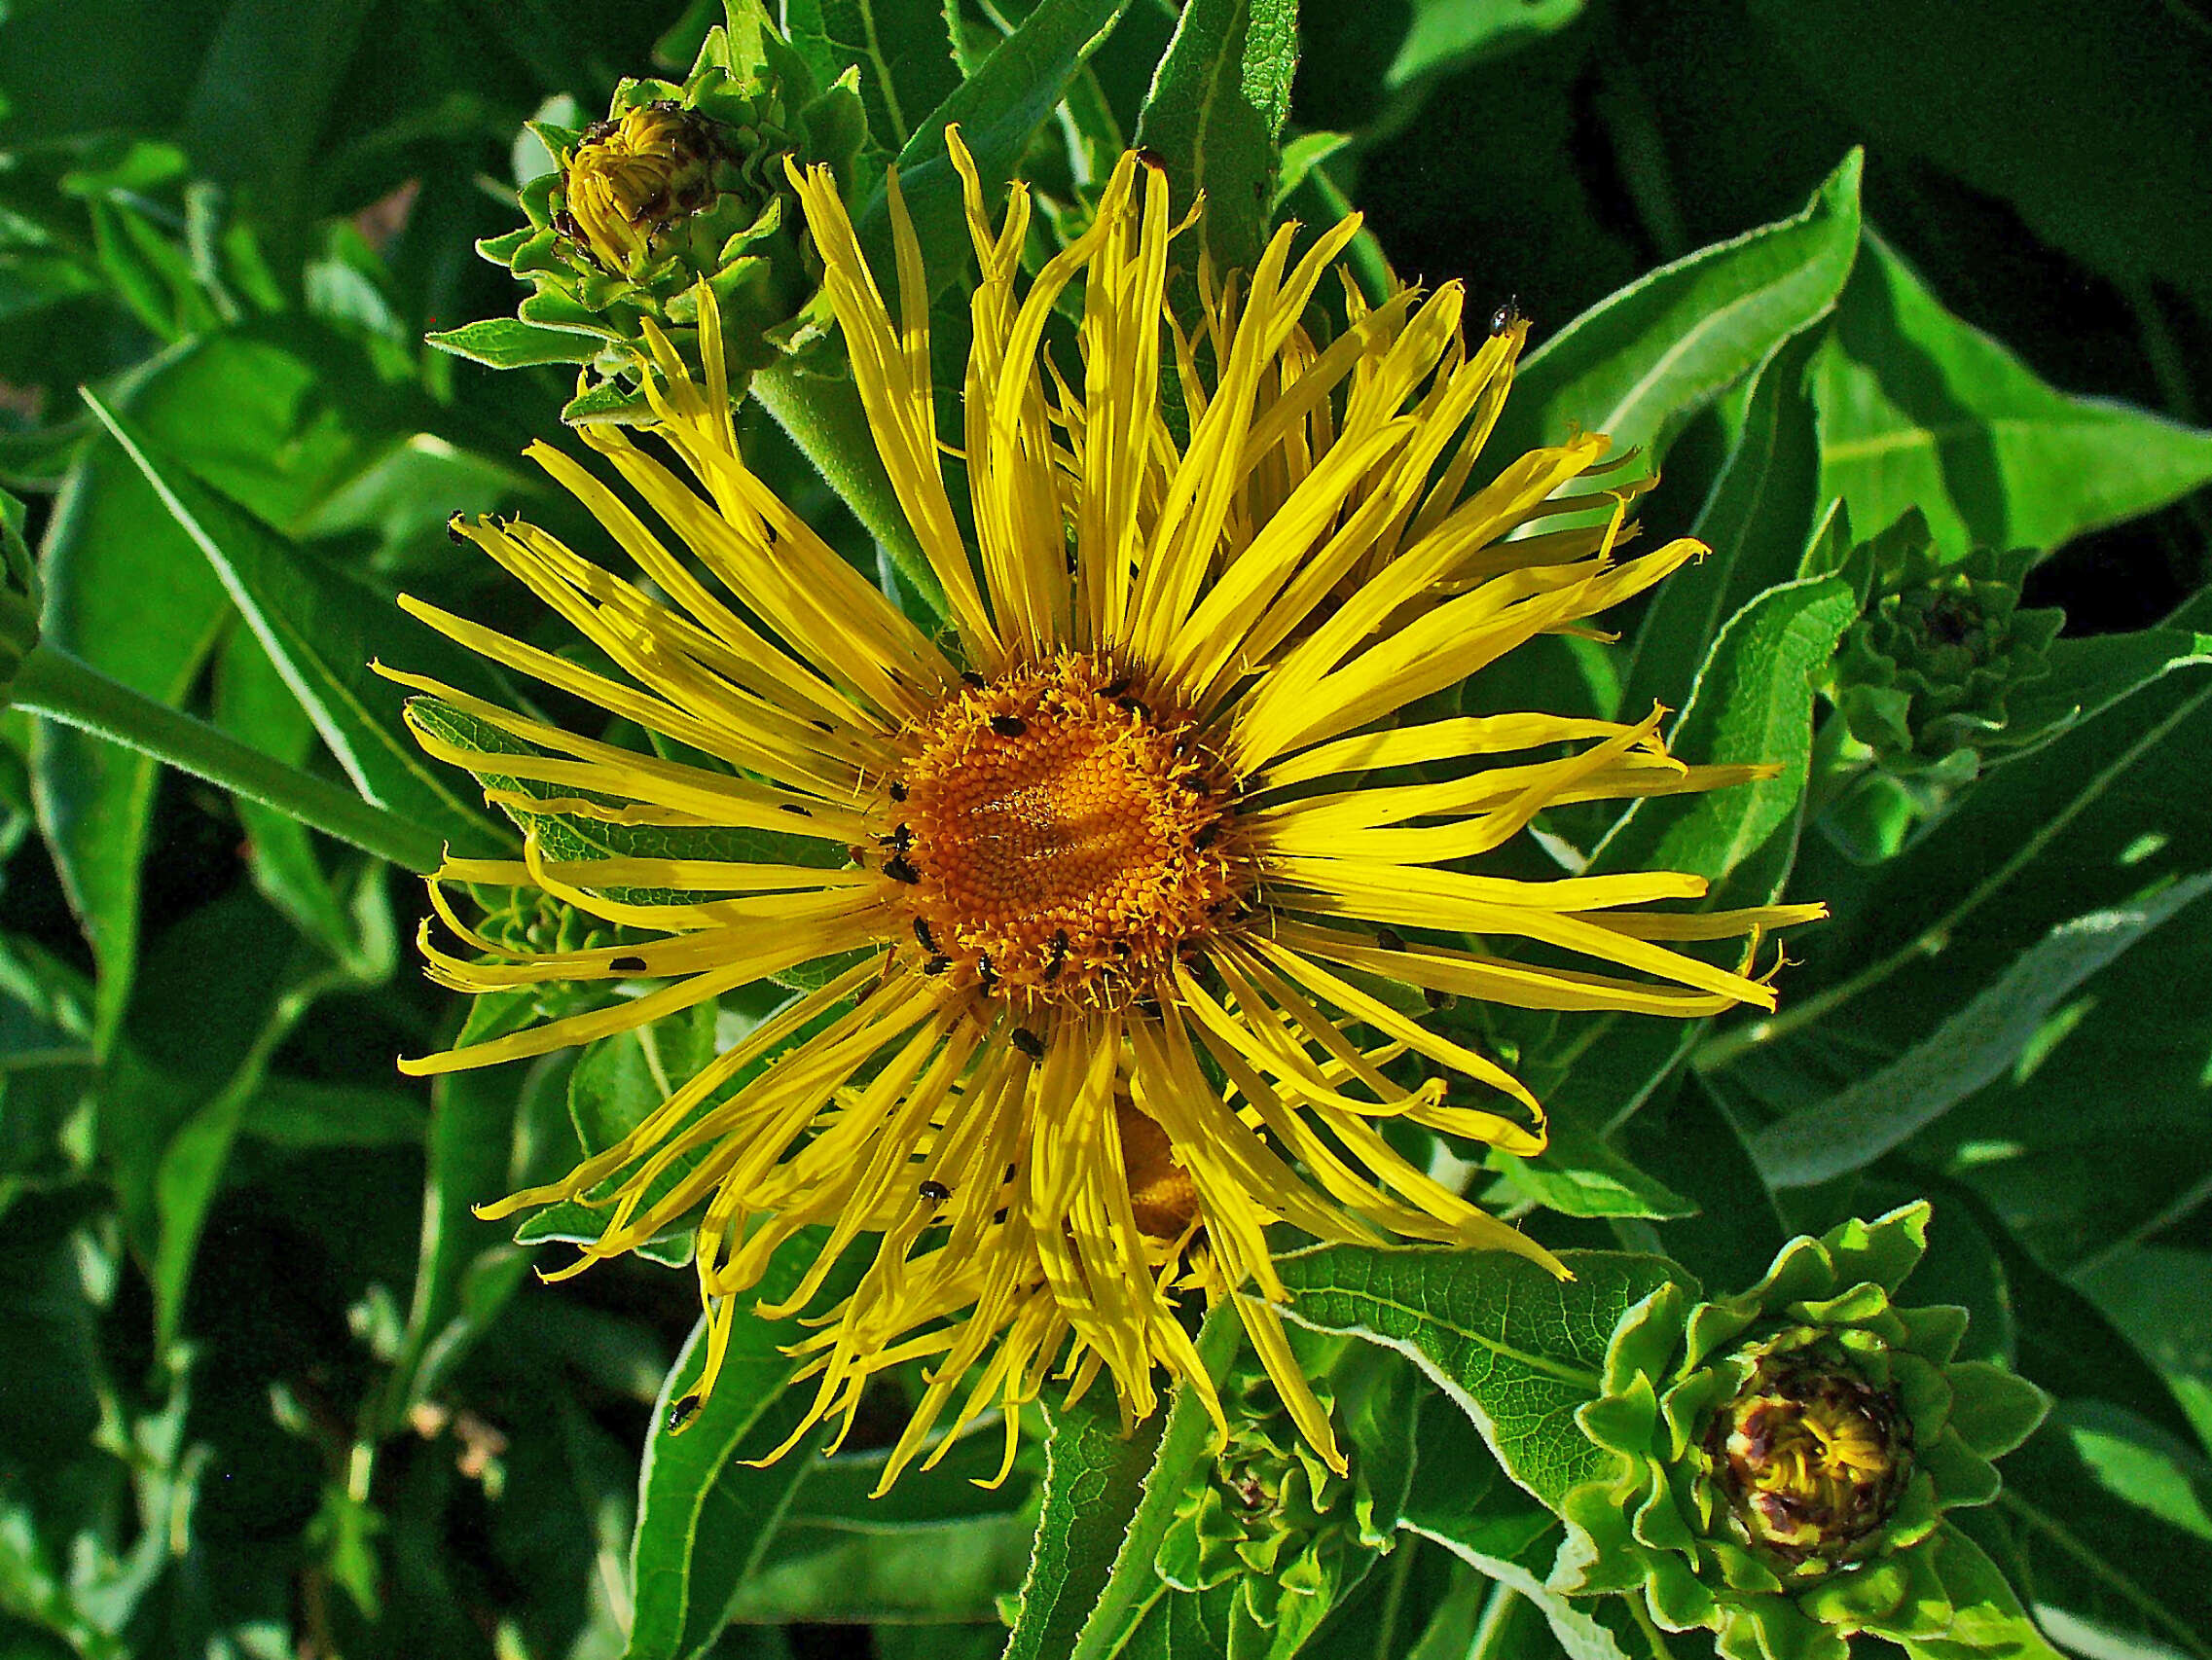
(1060, 837)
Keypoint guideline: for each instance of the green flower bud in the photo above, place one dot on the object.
(678, 187)
(1922, 677)
(1786, 1455)
(1273, 1522)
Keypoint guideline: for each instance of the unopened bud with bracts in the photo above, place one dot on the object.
(682, 191)
(1925, 678)
(1784, 1456)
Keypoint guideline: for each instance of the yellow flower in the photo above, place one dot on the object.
(1107, 983)
(629, 177)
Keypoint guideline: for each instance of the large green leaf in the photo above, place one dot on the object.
(253, 704)
(1921, 410)
(321, 629)
(471, 1162)
(999, 110)
(1445, 35)
(1462, 1501)
(1215, 117)
(903, 53)
(2107, 1577)
(1974, 1047)
(706, 1517)
(110, 543)
(2107, 169)
(1641, 362)
(1756, 520)
(1517, 1349)
(1093, 1479)
(1133, 1587)
(1752, 702)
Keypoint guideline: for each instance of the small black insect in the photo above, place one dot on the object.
(1152, 159)
(683, 1412)
(936, 1192)
(1008, 726)
(1059, 958)
(1027, 1043)
(794, 807)
(970, 678)
(1506, 315)
(1206, 835)
(936, 965)
(627, 965)
(900, 868)
(1132, 706)
(1115, 688)
(898, 790)
(902, 838)
(985, 973)
(922, 933)
(453, 529)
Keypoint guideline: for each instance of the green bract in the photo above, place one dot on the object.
(1923, 678)
(678, 186)
(1272, 1521)
(1787, 1455)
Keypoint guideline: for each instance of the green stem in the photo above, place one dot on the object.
(825, 420)
(54, 684)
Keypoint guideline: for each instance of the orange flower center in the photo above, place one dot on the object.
(1060, 839)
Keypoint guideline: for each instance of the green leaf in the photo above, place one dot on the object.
(1989, 1621)
(2087, 677)
(2107, 1577)
(903, 53)
(2111, 180)
(1756, 520)
(108, 545)
(1460, 1501)
(620, 1079)
(1579, 1173)
(706, 1518)
(1214, 116)
(1641, 362)
(1448, 35)
(1971, 1048)
(997, 110)
(1752, 702)
(472, 1134)
(307, 1112)
(953, 1569)
(1134, 1587)
(1516, 1348)
(321, 629)
(509, 343)
(1921, 410)
(253, 704)
(1093, 1477)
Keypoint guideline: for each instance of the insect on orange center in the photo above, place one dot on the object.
(1059, 838)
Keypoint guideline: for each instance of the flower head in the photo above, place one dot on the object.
(1095, 900)
(1787, 1453)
